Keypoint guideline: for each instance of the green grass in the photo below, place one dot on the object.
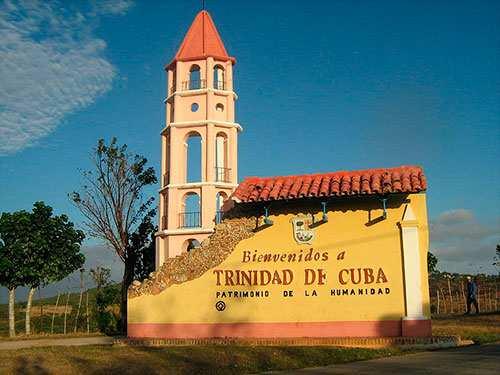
(481, 329)
(178, 360)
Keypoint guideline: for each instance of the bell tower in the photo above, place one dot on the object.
(199, 162)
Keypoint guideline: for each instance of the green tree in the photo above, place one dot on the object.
(38, 249)
(432, 262)
(53, 251)
(142, 245)
(13, 250)
(111, 200)
(107, 294)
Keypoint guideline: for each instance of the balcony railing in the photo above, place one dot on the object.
(220, 85)
(194, 84)
(197, 84)
(222, 174)
(189, 220)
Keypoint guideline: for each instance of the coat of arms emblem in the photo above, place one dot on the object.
(302, 232)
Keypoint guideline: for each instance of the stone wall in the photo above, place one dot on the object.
(188, 266)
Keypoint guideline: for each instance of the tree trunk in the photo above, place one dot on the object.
(12, 317)
(128, 277)
(28, 311)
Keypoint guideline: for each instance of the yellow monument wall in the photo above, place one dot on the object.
(349, 281)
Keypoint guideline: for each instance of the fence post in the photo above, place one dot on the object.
(41, 308)
(451, 296)
(437, 294)
(87, 311)
(54, 313)
(496, 296)
(66, 311)
(80, 300)
(463, 295)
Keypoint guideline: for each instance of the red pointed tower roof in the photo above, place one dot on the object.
(201, 41)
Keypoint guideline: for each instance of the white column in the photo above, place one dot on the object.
(412, 265)
(160, 252)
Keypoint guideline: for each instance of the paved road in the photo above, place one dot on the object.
(484, 359)
(74, 341)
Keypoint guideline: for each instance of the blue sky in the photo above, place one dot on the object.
(322, 86)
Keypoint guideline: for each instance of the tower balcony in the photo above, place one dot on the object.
(222, 174)
(220, 85)
(194, 84)
(190, 219)
(197, 84)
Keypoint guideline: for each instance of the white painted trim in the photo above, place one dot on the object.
(224, 124)
(409, 215)
(199, 92)
(415, 318)
(168, 232)
(192, 185)
(411, 265)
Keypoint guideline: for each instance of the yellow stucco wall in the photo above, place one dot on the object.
(348, 231)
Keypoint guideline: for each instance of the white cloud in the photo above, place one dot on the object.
(113, 7)
(52, 65)
(462, 243)
(455, 216)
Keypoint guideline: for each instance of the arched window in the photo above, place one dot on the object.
(191, 244)
(194, 78)
(219, 202)
(193, 157)
(219, 79)
(221, 170)
(190, 216)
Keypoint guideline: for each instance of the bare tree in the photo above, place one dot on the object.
(112, 203)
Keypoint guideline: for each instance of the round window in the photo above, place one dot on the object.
(194, 107)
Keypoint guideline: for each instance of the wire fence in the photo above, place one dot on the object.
(72, 310)
(448, 293)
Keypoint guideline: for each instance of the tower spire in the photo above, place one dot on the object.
(201, 41)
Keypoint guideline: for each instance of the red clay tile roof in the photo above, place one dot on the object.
(404, 179)
(202, 40)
